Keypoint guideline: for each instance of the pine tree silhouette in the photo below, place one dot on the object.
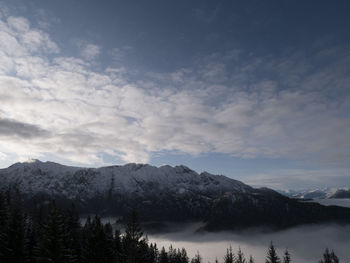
(183, 256)
(12, 234)
(329, 257)
(31, 241)
(240, 257)
(229, 257)
(286, 257)
(53, 245)
(272, 256)
(163, 256)
(133, 236)
(98, 242)
(197, 258)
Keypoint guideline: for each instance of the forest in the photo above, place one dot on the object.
(52, 234)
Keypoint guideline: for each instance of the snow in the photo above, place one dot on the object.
(320, 193)
(76, 182)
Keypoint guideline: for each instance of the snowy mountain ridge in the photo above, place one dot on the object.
(163, 194)
(139, 179)
(316, 193)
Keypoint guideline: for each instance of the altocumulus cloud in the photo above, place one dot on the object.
(60, 105)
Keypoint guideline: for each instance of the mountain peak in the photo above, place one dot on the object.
(31, 160)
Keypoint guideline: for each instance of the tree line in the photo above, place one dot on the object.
(49, 234)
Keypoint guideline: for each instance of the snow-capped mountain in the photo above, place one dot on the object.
(341, 193)
(318, 193)
(162, 194)
(137, 179)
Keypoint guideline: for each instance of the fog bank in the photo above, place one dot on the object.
(345, 202)
(306, 243)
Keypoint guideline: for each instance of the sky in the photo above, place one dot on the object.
(256, 90)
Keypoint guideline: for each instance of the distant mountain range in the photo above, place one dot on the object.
(162, 194)
(318, 193)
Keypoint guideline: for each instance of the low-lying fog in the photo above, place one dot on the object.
(306, 243)
(333, 201)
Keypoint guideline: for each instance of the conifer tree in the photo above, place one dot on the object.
(229, 257)
(3, 227)
(197, 258)
(13, 228)
(240, 257)
(117, 246)
(329, 257)
(73, 228)
(143, 251)
(272, 256)
(133, 230)
(108, 241)
(251, 260)
(286, 257)
(183, 256)
(178, 256)
(132, 238)
(153, 253)
(334, 257)
(97, 242)
(163, 256)
(172, 254)
(31, 241)
(3, 212)
(53, 246)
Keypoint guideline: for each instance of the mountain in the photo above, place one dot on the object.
(163, 194)
(307, 193)
(318, 193)
(140, 180)
(341, 193)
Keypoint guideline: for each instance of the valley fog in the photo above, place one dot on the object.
(306, 244)
(345, 202)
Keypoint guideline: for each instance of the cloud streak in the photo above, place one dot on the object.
(11, 128)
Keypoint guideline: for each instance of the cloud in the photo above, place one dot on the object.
(300, 178)
(214, 106)
(89, 51)
(19, 24)
(18, 39)
(11, 128)
(3, 156)
(119, 54)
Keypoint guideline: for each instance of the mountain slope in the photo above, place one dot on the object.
(163, 194)
(341, 193)
(138, 179)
